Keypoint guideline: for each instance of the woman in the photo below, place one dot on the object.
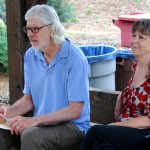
(131, 131)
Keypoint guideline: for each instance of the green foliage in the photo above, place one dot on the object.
(64, 9)
(88, 11)
(136, 0)
(3, 48)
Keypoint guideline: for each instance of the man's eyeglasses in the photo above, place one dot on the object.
(34, 29)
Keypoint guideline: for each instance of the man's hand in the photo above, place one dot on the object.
(19, 124)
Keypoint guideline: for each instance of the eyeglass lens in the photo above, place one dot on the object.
(34, 29)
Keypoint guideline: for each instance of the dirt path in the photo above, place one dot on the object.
(94, 25)
(4, 89)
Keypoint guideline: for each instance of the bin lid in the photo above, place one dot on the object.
(134, 17)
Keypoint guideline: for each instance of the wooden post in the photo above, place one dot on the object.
(17, 43)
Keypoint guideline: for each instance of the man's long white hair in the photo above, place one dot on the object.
(48, 15)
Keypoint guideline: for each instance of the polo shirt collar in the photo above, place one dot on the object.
(38, 54)
(62, 53)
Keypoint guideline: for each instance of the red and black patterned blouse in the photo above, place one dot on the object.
(136, 101)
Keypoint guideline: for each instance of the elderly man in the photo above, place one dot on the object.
(56, 88)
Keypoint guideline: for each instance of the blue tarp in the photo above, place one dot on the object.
(97, 53)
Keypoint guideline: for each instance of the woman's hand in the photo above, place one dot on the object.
(118, 107)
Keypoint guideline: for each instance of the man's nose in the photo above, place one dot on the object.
(29, 32)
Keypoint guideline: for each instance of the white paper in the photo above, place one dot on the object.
(5, 126)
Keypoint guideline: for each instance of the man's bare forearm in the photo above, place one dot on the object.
(73, 111)
(20, 107)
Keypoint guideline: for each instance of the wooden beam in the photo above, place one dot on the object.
(17, 43)
(15, 48)
(102, 105)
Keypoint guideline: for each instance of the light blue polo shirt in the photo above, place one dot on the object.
(64, 80)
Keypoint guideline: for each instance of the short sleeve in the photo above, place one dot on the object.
(26, 89)
(78, 82)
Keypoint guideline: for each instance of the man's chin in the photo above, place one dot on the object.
(35, 48)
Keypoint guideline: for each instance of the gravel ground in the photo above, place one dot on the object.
(93, 26)
(4, 89)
